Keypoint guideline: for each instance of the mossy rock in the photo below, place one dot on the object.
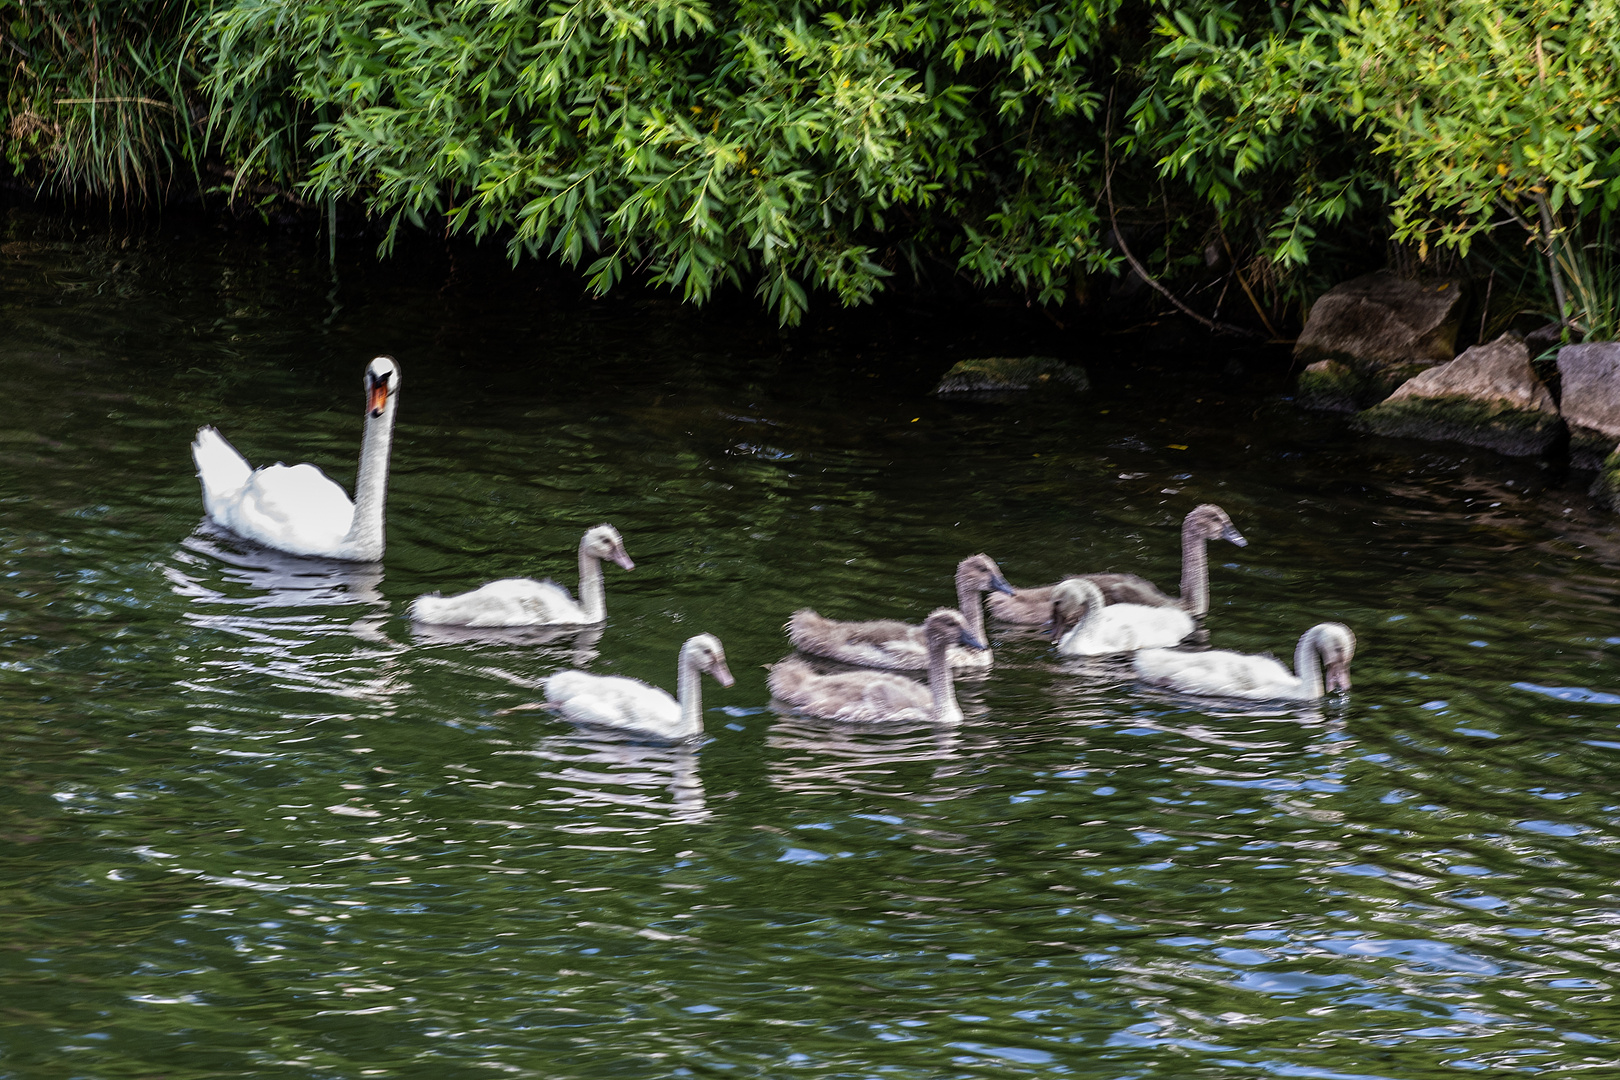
(1606, 488)
(1012, 373)
(1494, 425)
(1330, 385)
(1589, 448)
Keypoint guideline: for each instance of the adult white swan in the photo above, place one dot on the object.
(526, 602)
(1202, 524)
(1083, 624)
(635, 708)
(1326, 647)
(880, 696)
(297, 508)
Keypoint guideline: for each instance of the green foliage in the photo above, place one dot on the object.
(791, 145)
(1459, 116)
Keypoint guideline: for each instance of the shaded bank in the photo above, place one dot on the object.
(1242, 156)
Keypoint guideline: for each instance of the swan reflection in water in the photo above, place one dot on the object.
(574, 646)
(916, 761)
(303, 623)
(602, 785)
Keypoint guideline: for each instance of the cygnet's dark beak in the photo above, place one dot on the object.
(999, 583)
(1231, 535)
(721, 673)
(971, 640)
(622, 558)
(1338, 677)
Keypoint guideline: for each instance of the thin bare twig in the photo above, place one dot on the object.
(1246, 290)
(1141, 271)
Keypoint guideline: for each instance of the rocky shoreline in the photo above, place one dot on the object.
(1382, 347)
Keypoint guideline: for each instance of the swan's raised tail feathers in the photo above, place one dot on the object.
(787, 680)
(425, 607)
(219, 466)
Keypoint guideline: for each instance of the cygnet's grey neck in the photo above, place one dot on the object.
(592, 595)
(970, 602)
(940, 685)
(365, 540)
(1194, 568)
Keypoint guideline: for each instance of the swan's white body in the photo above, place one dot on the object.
(1100, 630)
(1257, 678)
(902, 646)
(526, 602)
(297, 508)
(865, 697)
(631, 706)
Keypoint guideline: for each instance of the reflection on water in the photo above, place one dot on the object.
(570, 646)
(824, 756)
(253, 822)
(608, 786)
(302, 623)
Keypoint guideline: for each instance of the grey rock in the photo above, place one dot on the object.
(1489, 396)
(1384, 329)
(1590, 374)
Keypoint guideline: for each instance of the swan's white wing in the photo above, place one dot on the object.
(1120, 628)
(508, 602)
(612, 701)
(295, 508)
(1218, 673)
(220, 467)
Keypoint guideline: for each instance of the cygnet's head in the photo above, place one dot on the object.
(604, 542)
(950, 626)
(1337, 647)
(1072, 600)
(382, 383)
(705, 653)
(1209, 522)
(980, 572)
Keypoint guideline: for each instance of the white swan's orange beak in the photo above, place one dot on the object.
(377, 396)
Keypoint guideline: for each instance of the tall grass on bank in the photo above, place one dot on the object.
(97, 97)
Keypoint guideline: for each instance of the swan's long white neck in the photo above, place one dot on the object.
(1308, 663)
(689, 692)
(940, 683)
(365, 540)
(970, 602)
(1194, 568)
(592, 593)
(1087, 624)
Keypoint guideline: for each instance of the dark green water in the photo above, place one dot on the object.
(252, 825)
